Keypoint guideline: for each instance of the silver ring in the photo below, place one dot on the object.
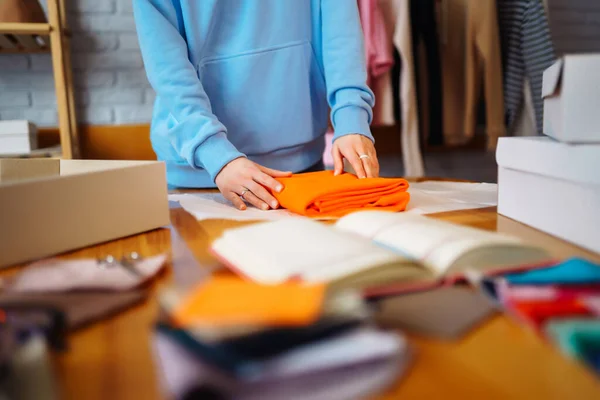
(246, 190)
(363, 156)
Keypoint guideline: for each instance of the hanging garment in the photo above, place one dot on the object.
(452, 33)
(396, 73)
(527, 51)
(411, 150)
(378, 49)
(424, 28)
(483, 56)
(379, 61)
(383, 111)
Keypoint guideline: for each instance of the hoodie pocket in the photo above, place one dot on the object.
(269, 99)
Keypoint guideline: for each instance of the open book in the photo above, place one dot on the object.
(374, 250)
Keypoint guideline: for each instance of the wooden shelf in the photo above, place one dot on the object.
(48, 152)
(25, 29)
(52, 36)
(24, 38)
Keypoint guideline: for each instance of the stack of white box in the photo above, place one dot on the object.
(17, 137)
(552, 183)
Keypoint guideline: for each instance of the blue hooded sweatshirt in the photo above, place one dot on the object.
(251, 78)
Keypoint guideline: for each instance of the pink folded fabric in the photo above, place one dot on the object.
(57, 275)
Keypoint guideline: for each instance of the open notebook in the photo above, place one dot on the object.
(375, 250)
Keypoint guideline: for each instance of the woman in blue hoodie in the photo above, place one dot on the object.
(245, 90)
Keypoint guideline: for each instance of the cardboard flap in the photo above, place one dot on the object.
(552, 78)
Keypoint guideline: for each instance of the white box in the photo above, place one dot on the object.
(551, 186)
(571, 92)
(90, 202)
(17, 137)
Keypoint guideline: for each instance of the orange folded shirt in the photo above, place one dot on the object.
(231, 301)
(321, 194)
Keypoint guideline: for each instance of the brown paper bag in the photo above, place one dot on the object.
(21, 11)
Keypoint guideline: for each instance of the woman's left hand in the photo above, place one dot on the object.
(360, 153)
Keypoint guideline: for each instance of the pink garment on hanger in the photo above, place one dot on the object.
(378, 48)
(379, 60)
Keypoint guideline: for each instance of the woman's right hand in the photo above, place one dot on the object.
(243, 180)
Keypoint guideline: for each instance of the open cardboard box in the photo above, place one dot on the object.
(51, 206)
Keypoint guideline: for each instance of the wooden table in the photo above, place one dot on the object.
(113, 360)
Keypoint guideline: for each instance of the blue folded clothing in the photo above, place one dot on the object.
(575, 271)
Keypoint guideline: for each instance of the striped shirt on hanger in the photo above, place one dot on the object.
(527, 51)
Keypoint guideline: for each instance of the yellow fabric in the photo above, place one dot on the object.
(483, 56)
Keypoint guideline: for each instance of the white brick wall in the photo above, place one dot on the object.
(111, 85)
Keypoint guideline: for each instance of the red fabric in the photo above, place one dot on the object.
(538, 312)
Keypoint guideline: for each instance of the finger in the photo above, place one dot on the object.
(236, 200)
(267, 181)
(375, 166)
(275, 173)
(374, 162)
(263, 195)
(356, 163)
(368, 166)
(338, 161)
(255, 201)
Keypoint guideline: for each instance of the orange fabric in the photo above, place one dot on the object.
(321, 194)
(230, 301)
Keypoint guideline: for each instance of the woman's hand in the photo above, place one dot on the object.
(243, 179)
(360, 153)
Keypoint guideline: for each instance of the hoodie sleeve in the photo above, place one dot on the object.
(349, 97)
(197, 135)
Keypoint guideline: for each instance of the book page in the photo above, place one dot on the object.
(436, 244)
(274, 252)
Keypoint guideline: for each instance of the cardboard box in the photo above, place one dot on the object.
(571, 92)
(90, 202)
(17, 137)
(20, 169)
(551, 186)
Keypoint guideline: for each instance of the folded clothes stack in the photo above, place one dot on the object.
(321, 194)
(560, 302)
(239, 339)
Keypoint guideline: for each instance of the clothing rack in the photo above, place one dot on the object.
(453, 54)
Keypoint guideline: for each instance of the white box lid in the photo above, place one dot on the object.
(580, 69)
(545, 156)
